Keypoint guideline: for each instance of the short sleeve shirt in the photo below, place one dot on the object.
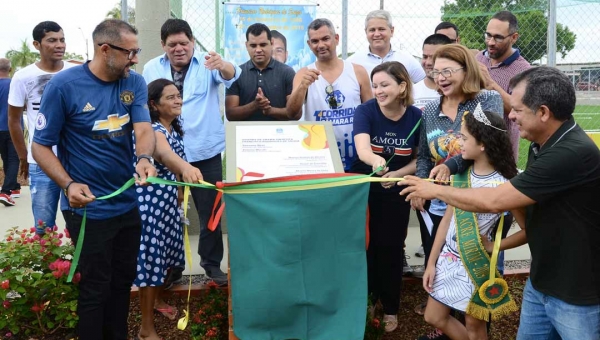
(276, 82)
(563, 225)
(4, 87)
(389, 138)
(91, 121)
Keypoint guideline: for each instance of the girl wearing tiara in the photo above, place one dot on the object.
(458, 274)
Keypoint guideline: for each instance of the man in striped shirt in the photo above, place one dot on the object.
(500, 62)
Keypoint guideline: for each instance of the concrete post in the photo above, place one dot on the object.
(149, 17)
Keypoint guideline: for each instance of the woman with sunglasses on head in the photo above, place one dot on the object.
(386, 135)
(457, 76)
(161, 246)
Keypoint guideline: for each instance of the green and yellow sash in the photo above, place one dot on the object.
(491, 294)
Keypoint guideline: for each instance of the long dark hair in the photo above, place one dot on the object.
(155, 91)
(498, 147)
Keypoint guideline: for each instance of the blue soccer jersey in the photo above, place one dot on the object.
(91, 121)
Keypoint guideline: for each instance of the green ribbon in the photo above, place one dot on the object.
(77, 253)
(389, 160)
(476, 261)
(265, 185)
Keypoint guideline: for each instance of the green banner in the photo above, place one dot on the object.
(298, 263)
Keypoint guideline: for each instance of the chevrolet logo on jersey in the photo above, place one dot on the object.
(111, 123)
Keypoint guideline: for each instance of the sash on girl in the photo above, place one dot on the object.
(491, 291)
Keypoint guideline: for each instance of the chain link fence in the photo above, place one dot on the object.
(576, 32)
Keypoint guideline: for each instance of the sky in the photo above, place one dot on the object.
(20, 17)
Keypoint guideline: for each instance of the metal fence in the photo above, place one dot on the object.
(572, 34)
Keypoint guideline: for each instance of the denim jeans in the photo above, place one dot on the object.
(10, 163)
(210, 246)
(45, 194)
(108, 266)
(544, 317)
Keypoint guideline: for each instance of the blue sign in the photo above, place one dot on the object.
(290, 20)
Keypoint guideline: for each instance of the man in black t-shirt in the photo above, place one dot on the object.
(558, 193)
(264, 87)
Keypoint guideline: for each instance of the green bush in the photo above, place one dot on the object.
(36, 298)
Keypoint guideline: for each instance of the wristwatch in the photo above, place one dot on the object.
(148, 157)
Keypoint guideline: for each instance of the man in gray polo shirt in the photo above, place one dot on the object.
(262, 90)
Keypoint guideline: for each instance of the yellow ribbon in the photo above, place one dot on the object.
(182, 323)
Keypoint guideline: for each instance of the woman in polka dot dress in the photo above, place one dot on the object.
(161, 246)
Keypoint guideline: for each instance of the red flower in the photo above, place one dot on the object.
(40, 223)
(76, 278)
(36, 308)
(5, 284)
(67, 233)
(376, 323)
(32, 230)
(6, 304)
(57, 274)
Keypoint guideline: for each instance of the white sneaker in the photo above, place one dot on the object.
(391, 322)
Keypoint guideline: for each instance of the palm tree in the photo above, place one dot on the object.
(21, 58)
(115, 13)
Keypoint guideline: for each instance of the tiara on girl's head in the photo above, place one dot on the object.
(482, 118)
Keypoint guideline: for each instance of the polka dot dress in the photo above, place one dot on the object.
(161, 245)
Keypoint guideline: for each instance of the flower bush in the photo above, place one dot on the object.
(36, 298)
(211, 321)
(375, 327)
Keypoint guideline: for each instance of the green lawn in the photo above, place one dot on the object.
(587, 116)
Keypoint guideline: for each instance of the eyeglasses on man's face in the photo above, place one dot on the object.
(130, 53)
(447, 72)
(497, 38)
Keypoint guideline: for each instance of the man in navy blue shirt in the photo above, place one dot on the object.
(90, 112)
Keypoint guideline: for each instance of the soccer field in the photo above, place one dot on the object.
(587, 116)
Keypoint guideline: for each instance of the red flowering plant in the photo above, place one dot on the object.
(375, 327)
(211, 320)
(36, 298)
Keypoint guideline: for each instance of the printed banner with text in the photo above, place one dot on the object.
(291, 21)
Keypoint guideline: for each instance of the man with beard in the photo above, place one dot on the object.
(500, 62)
(330, 88)
(262, 90)
(90, 112)
(26, 91)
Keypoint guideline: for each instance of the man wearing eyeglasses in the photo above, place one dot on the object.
(330, 89)
(280, 52)
(197, 76)
(90, 112)
(500, 62)
(262, 90)
(26, 91)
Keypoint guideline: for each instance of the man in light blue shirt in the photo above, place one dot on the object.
(197, 77)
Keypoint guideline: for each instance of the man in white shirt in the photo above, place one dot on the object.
(426, 90)
(379, 30)
(330, 89)
(26, 88)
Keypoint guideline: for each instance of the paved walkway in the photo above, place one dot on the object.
(20, 215)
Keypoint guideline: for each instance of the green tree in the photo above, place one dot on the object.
(23, 57)
(472, 17)
(115, 13)
(74, 56)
